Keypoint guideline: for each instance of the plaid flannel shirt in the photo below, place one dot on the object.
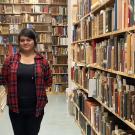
(43, 79)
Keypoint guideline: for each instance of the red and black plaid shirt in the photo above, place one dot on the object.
(43, 79)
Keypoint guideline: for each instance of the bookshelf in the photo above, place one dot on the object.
(16, 14)
(102, 54)
(59, 45)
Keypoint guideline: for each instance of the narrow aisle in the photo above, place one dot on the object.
(56, 120)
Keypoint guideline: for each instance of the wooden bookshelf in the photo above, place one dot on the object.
(115, 33)
(113, 71)
(86, 119)
(90, 123)
(94, 66)
(130, 124)
(59, 44)
(125, 121)
(93, 33)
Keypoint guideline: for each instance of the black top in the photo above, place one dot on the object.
(26, 87)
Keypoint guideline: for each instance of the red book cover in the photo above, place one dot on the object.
(94, 51)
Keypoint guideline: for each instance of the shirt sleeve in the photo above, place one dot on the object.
(4, 72)
(47, 73)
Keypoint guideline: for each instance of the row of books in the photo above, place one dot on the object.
(59, 69)
(16, 19)
(24, 18)
(59, 1)
(8, 39)
(59, 60)
(40, 9)
(12, 39)
(79, 52)
(59, 40)
(59, 10)
(101, 120)
(10, 29)
(78, 74)
(60, 51)
(85, 126)
(118, 53)
(42, 48)
(59, 20)
(25, 1)
(116, 93)
(115, 53)
(60, 78)
(76, 33)
(58, 88)
(83, 30)
(6, 1)
(83, 8)
(40, 27)
(59, 31)
(44, 38)
(35, 1)
(87, 28)
(36, 18)
(41, 38)
(117, 17)
(19, 9)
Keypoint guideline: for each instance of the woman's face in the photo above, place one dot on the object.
(26, 44)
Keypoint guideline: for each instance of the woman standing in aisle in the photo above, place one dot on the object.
(26, 76)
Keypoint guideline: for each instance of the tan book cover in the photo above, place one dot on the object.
(112, 58)
(74, 13)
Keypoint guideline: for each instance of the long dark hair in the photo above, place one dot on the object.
(28, 33)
